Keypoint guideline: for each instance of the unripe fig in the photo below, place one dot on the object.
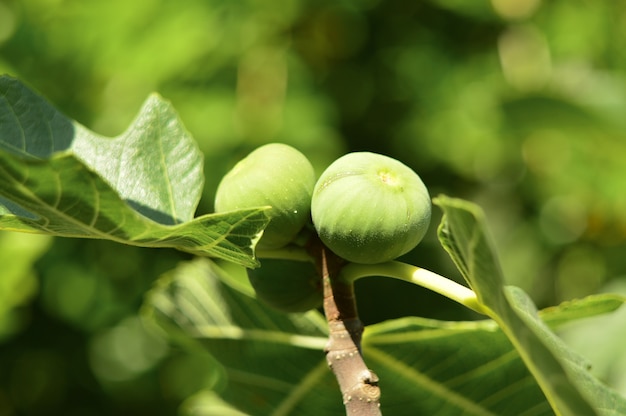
(369, 208)
(277, 175)
(287, 285)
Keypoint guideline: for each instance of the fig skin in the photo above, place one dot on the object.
(369, 208)
(287, 285)
(277, 175)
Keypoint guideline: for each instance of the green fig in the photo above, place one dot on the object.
(369, 208)
(276, 175)
(287, 285)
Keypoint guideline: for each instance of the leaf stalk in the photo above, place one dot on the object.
(419, 276)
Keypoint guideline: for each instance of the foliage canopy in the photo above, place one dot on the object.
(492, 101)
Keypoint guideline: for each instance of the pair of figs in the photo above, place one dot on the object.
(366, 208)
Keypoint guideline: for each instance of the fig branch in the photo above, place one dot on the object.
(358, 384)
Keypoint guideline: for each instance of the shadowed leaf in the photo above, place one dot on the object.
(274, 363)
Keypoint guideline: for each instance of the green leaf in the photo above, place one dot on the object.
(600, 339)
(271, 361)
(604, 400)
(274, 363)
(581, 308)
(140, 188)
(435, 367)
(155, 165)
(562, 374)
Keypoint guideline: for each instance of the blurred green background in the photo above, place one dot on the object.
(517, 105)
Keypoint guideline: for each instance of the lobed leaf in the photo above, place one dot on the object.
(155, 165)
(436, 367)
(562, 374)
(141, 188)
(274, 363)
(271, 361)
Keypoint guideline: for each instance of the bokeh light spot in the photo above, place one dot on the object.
(125, 351)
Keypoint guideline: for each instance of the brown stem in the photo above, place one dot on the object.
(358, 384)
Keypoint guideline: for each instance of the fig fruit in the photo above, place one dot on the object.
(277, 175)
(369, 208)
(287, 285)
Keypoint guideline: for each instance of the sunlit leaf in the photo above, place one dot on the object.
(141, 188)
(604, 400)
(155, 165)
(562, 374)
(587, 307)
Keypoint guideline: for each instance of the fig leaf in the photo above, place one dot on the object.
(141, 188)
